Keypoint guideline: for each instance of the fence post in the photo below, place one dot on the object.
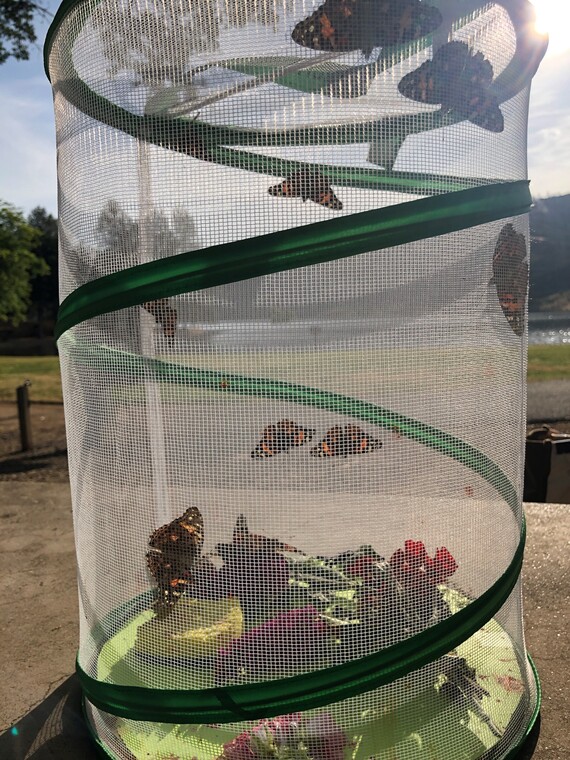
(23, 398)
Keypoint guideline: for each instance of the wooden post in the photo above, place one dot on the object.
(23, 398)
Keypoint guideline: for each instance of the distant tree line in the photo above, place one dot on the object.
(29, 290)
(28, 266)
(550, 254)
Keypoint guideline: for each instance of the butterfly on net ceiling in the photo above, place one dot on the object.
(283, 436)
(458, 80)
(345, 25)
(310, 186)
(341, 441)
(510, 276)
(173, 551)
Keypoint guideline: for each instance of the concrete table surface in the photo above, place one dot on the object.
(40, 711)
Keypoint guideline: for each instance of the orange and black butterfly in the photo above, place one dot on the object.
(283, 436)
(165, 315)
(173, 551)
(458, 80)
(341, 441)
(310, 186)
(344, 25)
(510, 276)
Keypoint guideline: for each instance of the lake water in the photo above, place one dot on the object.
(544, 328)
(549, 327)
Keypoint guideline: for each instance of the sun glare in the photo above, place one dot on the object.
(552, 18)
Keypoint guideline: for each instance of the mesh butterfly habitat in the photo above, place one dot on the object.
(294, 264)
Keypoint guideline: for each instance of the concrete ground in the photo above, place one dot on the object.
(40, 711)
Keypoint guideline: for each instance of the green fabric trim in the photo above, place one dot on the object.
(514, 753)
(105, 752)
(296, 247)
(177, 133)
(137, 368)
(180, 134)
(309, 690)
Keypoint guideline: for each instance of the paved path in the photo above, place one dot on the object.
(548, 401)
(40, 700)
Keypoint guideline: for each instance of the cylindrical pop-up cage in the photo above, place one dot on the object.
(294, 266)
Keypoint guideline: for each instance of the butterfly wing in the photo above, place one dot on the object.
(173, 551)
(357, 441)
(284, 189)
(327, 199)
(330, 445)
(164, 314)
(267, 445)
(421, 85)
(457, 79)
(344, 25)
(510, 276)
(482, 109)
(328, 28)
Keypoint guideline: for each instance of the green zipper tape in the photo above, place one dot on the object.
(318, 688)
(136, 368)
(514, 753)
(297, 247)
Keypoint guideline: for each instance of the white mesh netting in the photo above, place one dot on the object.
(291, 471)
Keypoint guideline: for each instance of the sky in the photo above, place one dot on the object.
(27, 133)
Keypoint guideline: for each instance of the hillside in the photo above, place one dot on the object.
(550, 254)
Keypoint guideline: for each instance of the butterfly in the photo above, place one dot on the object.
(344, 25)
(308, 185)
(341, 441)
(173, 551)
(281, 437)
(510, 276)
(164, 314)
(459, 80)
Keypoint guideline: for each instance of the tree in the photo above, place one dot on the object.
(17, 28)
(18, 264)
(45, 288)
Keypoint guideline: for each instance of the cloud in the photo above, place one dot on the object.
(28, 153)
(549, 128)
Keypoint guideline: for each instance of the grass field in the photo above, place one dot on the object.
(544, 363)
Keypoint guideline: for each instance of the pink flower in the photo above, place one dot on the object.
(415, 552)
(415, 570)
(238, 749)
(443, 566)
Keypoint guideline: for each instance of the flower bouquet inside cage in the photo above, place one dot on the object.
(257, 609)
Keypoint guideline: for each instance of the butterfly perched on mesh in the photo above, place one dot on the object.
(344, 25)
(458, 80)
(341, 441)
(173, 551)
(164, 314)
(510, 276)
(310, 186)
(280, 437)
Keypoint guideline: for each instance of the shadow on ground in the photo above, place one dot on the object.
(54, 730)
